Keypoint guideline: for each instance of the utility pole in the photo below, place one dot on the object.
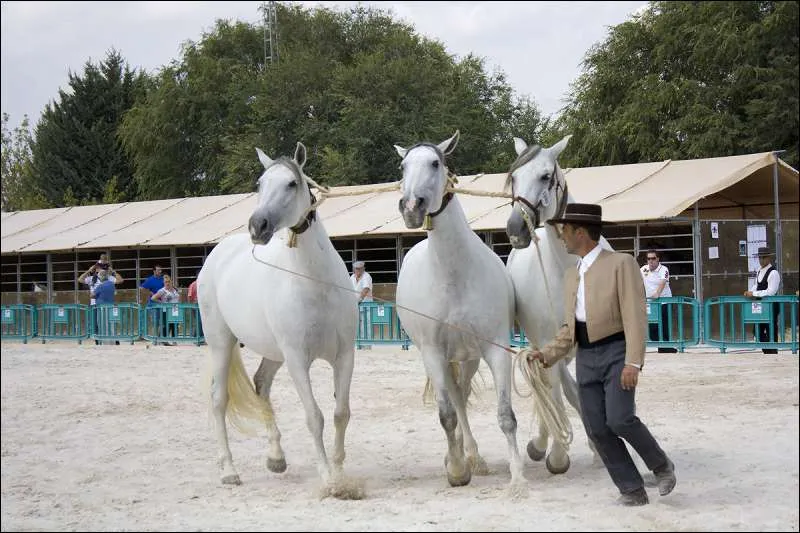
(269, 14)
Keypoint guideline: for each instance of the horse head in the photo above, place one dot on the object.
(538, 188)
(284, 197)
(424, 180)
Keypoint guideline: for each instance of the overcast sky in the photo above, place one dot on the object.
(539, 45)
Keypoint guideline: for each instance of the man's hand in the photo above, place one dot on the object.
(536, 355)
(630, 377)
(749, 294)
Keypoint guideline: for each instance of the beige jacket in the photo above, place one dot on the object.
(615, 302)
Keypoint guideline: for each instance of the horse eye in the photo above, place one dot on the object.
(546, 177)
(292, 184)
(435, 164)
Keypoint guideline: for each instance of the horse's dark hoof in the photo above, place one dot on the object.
(276, 465)
(460, 482)
(553, 469)
(535, 453)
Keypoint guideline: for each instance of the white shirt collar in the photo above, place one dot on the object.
(588, 259)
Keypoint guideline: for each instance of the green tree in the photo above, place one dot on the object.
(688, 80)
(348, 85)
(76, 152)
(18, 193)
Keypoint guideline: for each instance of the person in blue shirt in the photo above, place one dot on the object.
(150, 286)
(103, 292)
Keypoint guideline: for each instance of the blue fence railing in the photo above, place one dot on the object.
(728, 321)
(18, 322)
(378, 323)
(759, 323)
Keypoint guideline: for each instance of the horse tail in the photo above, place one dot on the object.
(428, 394)
(244, 403)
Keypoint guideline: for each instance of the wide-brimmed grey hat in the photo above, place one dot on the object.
(358, 264)
(581, 214)
(764, 251)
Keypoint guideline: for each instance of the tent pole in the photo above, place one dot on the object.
(778, 231)
(698, 264)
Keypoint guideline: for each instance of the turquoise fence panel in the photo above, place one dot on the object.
(517, 338)
(378, 323)
(18, 322)
(62, 322)
(115, 322)
(673, 322)
(166, 323)
(739, 320)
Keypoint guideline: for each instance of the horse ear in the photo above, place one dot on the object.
(300, 154)
(519, 145)
(446, 147)
(400, 150)
(557, 148)
(264, 158)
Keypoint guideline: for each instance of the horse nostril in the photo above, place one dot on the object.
(420, 201)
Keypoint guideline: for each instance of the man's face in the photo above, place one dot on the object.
(652, 261)
(764, 260)
(571, 237)
(358, 271)
(157, 271)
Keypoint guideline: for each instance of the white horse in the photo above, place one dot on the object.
(539, 192)
(247, 291)
(466, 295)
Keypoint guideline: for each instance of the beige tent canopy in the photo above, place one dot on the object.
(741, 186)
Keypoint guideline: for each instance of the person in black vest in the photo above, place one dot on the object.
(768, 280)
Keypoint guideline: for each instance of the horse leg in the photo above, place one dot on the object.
(476, 463)
(276, 460)
(458, 471)
(342, 377)
(557, 461)
(221, 342)
(298, 366)
(570, 388)
(500, 364)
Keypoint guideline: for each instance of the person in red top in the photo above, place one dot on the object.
(191, 296)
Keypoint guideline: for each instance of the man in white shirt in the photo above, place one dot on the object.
(656, 285)
(362, 283)
(768, 281)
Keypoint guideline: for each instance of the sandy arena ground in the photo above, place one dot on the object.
(118, 438)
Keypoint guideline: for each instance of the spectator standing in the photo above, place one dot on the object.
(167, 294)
(656, 285)
(768, 281)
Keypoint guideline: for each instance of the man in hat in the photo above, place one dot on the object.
(605, 314)
(768, 281)
(362, 284)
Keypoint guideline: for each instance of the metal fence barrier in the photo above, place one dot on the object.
(62, 321)
(114, 322)
(378, 323)
(18, 322)
(759, 323)
(165, 323)
(673, 322)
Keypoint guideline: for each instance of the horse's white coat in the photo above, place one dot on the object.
(279, 315)
(539, 284)
(455, 278)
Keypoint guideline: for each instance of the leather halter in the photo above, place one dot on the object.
(562, 204)
(445, 200)
(308, 219)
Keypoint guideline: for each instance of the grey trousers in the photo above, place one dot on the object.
(609, 415)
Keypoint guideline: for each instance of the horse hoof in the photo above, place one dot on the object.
(459, 482)
(231, 479)
(276, 465)
(535, 453)
(555, 470)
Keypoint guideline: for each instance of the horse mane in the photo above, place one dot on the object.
(529, 153)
